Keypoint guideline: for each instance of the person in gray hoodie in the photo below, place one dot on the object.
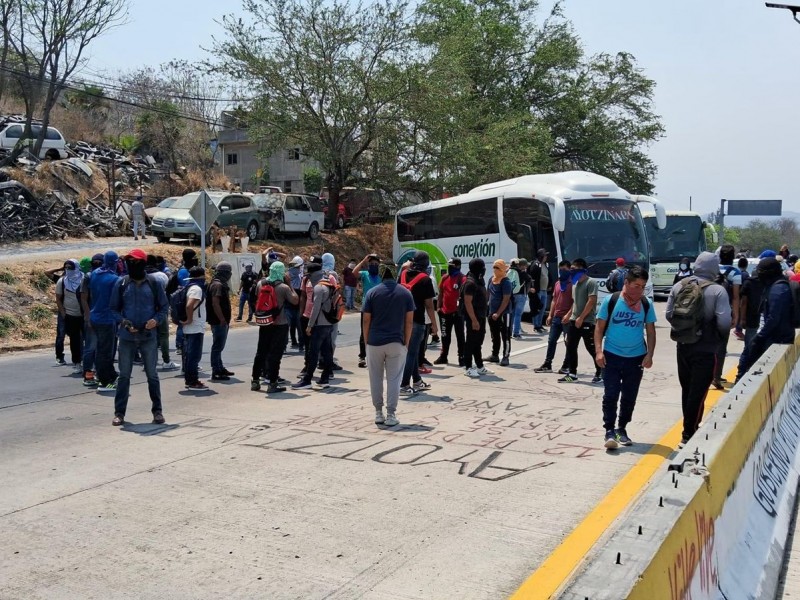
(697, 361)
(319, 328)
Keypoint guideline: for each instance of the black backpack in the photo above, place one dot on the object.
(173, 283)
(722, 279)
(616, 279)
(177, 304)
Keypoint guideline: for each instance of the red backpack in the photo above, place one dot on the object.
(267, 309)
(410, 284)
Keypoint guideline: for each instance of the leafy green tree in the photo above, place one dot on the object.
(159, 130)
(312, 180)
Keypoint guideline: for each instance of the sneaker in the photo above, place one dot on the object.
(611, 441)
(391, 420)
(219, 377)
(323, 383)
(545, 368)
(274, 388)
(434, 340)
(623, 439)
(303, 383)
(442, 360)
(563, 371)
(238, 319)
(597, 380)
(158, 419)
(407, 390)
(379, 418)
(421, 386)
(197, 385)
(425, 370)
(89, 382)
(281, 381)
(77, 369)
(337, 367)
(472, 372)
(517, 336)
(484, 371)
(108, 386)
(178, 351)
(717, 384)
(504, 361)
(118, 421)
(61, 362)
(226, 372)
(255, 385)
(539, 330)
(493, 358)
(362, 363)
(683, 442)
(170, 366)
(568, 379)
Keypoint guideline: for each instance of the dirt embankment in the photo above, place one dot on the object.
(27, 296)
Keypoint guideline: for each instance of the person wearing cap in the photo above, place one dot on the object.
(500, 289)
(368, 277)
(69, 291)
(388, 316)
(219, 317)
(139, 304)
(777, 312)
(269, 256)
(518, 274)
(616, 279)
(450, 319)
(103, 321)
(473, 310)
(194, 328)
(540, 282)
(414, 277)
(137, 218)
(246, 283)
(292, 312)
(318, 328)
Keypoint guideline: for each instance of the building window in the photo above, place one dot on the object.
(232, 159)
(293, 154)
(287, 186)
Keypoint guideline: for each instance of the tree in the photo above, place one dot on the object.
(47, 39)
(328, 75)
(312, 180)
(7, 23)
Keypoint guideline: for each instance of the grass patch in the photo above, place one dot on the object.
(7, 277)
(32, 334)
(7, 323)
(40, 281)
(39, 313)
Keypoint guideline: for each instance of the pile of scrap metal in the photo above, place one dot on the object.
(23, 216)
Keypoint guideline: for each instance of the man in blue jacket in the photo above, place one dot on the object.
(777, 312)
(139, 303)
(103, 321)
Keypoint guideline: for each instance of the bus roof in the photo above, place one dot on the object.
(648, 212)
(566, 185)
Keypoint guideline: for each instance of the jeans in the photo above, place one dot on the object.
(539, 319)
(411, 370)
(192, 352)
(73, 326)
(149, 351)
(500, 330)
(557, 327)
(138, 226)
(61, 332)
(104, 355)
(574, 336)
(621, 380)
(219, 336)
(163, 340)
(320, 343)
(89, 347)
(473, 343)
(269, 352)
(349, 297)
(179, 337)
(244, 298)
(293, 317)
(744, 357)
(388, 360)
(695, 372)
(519, 306)
(449, 324)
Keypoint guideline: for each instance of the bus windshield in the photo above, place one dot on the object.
(683, 236)
(600, 230)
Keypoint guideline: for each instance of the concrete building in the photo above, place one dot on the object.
(239, 160)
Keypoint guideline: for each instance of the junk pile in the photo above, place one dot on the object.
(23, 216)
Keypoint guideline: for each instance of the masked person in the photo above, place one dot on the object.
(474, 306)
(350, 284)
(103, 320)
(154, 272)
(519, 267)
(181, 279)
(318, 329)
(540, 283)
(139, 304)
(684, 270)
(500, 288)
(246, 283)
(450, 320)
(329, 272)
(368, 278)
(414, 277)
(88, 266)
(69, 289)
(274, 290)
(292, 311)
(219, 317)
(581, 321)
(194, 328)
(560, 309)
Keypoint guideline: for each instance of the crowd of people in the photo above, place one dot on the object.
(111, 306)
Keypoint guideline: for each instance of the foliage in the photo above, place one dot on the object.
(31, 334)
(158, 131)
(40, 313)
(127, 142)
(312, 180)
(759, 235)
(40, 280)
(7, 277)
(7, 323)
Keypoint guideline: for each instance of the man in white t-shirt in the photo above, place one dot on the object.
(137, 216)
(194, 327)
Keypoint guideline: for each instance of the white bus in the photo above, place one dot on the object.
(572, 214)
(684, 236)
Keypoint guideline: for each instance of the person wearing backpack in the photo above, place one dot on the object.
(273, 294)
(777, 312)
(625, 317)
(731, 279)
(194, 327)
(699, 314)
(319, 328)
(414, 278)
(499, 289)
(69, 289)
(178, 280)
(450, 319)
(616, 279)
(138, 303)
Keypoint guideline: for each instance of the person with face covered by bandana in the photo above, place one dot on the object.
(368, 278)
(318, 328)
(474, 307)
(219, 317)
(292, 311)
(560, 308)
(182, 278)
(246, 283)
(582, 321)
(104, 323)
(450, 317)
(162, 278)
(139, 304)
(329, 272)
(414, 277)
(500, 289)
(69, 289)
(684, 270)
(194, 328)
(88, 266)
(350, 284)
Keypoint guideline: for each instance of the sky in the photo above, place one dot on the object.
(725, 70)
